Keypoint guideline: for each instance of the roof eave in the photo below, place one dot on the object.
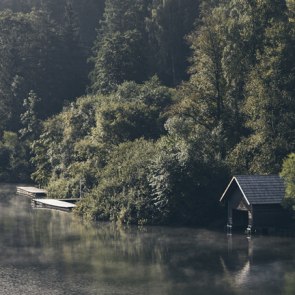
(236, 180)
(226, 189)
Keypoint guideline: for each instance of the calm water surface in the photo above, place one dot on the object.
(51, 252)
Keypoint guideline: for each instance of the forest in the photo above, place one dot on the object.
(146, 108)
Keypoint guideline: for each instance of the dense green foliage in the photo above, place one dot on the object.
(181, 95)
(36, 56)
(140, 38)
(288, 174)
(13, 158)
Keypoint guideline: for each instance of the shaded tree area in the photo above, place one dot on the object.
(42, 53)
(88, 13)
(140, 39)
(269, 96)
(167, 25)
(38, 56)
(288, 174)
(44, 48)
(241, 85)
(133, 167)
(182, 94)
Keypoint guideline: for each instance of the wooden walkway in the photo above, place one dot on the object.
(53, 204)
(71, 200)
(31, 191)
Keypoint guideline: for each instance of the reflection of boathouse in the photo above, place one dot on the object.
(255, 201)
(257, 265)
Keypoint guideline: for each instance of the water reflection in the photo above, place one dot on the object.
(53, 252)
(259, 265)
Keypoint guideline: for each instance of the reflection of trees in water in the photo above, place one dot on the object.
(155, 260)
(164, 260)
(289, 286)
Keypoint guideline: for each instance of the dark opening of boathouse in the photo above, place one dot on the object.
(254, 201)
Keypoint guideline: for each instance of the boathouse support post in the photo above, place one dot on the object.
(250, 221)
(229, 219)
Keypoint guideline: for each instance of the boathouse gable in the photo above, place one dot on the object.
(235, 196)
(258, 195)
(238, 201)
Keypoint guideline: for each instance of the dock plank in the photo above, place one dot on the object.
(53, 203)
(31, 191)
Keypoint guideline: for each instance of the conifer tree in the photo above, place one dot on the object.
(168, 24)
(119, 53)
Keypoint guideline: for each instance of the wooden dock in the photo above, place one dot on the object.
(71, 200)
(31, 191)
(53, 204)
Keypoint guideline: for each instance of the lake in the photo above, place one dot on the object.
(51, 252)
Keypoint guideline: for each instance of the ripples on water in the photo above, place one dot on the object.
(52, 252)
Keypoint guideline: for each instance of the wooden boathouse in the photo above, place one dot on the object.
(254, 201)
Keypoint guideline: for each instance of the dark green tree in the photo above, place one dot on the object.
(74, 62)
(35, 54)
(123, 193)
(134, 111)
(65, 152)
(269, 105)
(14, 163)
(14, 35)
(181, 176)
(203, 101)
(168, 24)
(88, 13)
(288, 174)
(31, 124)
(232, 39)
(120, 49)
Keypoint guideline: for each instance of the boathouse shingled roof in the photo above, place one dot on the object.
(258, 189)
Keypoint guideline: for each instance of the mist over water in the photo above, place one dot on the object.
(52, 252)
